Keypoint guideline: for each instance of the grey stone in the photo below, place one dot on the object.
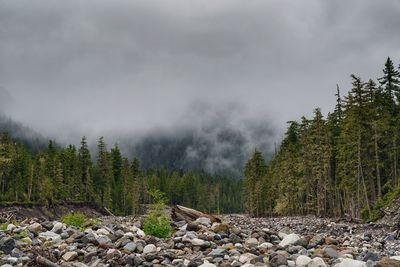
(7, 244)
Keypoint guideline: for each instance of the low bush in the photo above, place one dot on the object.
(76, 219)
(375, 213)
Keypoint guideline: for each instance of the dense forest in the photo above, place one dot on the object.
(60, 175)
(344, 164)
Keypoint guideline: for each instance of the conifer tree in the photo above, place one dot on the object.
(85, 171)
(104, 174)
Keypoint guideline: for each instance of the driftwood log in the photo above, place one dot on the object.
(181, 213)
(45, 262)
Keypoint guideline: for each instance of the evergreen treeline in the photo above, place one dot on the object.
(58, 175)
(340, 165)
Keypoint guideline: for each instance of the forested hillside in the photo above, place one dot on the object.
(344, 164)
(57, 175)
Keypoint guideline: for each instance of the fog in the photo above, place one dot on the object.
(171, 70)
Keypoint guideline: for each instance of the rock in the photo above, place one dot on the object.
(57, 228)
(246, 257)
(388, 263)
(103, 240)
(302, 242)
(277, 260)
(131, 247)
(11, 227)
(197, 242)
(102, 231)
(140, 233)
(35, 228)
(219, 252)
(7, 244)
(284, 232)
(266, 245)
(289, 240)
(70, 256)
(149, 249)
(251, 242)
(204, 221)
(395, 258)
(317, 262)
(351, 263)
(234, 238)
(316, 241)
(47, 225)
(207, 264)
(220, 227)
(16, 253)
(193, 227)
(303, 260)
(330, 252)
(12, 260)
(372, 256)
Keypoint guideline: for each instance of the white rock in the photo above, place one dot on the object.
(133, 229)
(266, 245)
(395, 258)
(317, 262)
(291, 263)
(289, 240)
(57, 228)
(197, 242)
(207, 264)
(102, 231)
(12, 260)
(246, 257)
(302, 260)
(204, 221)
(282, 235)
(140, 233)
(129, 235)
(11, 227)
(50, 236)
(70, 256)
(149, 249)
(351, 263)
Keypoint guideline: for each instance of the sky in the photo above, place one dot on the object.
(96, 67)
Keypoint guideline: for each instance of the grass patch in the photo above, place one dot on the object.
(76, 219)
(23, 234)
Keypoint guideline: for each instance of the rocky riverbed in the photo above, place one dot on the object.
(237, 241)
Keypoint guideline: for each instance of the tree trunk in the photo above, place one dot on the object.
(377, 164)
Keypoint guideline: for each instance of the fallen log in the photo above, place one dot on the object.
(181, 213)
(45, 262)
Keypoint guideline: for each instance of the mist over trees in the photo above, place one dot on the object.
(344, 164)
(24, 135)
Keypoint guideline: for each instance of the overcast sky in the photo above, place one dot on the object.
(90, 67)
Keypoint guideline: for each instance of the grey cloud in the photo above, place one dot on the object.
(93, 67)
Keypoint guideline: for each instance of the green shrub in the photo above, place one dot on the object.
(157, 226)
(77, 219)
(380, 204)
(157, 223)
